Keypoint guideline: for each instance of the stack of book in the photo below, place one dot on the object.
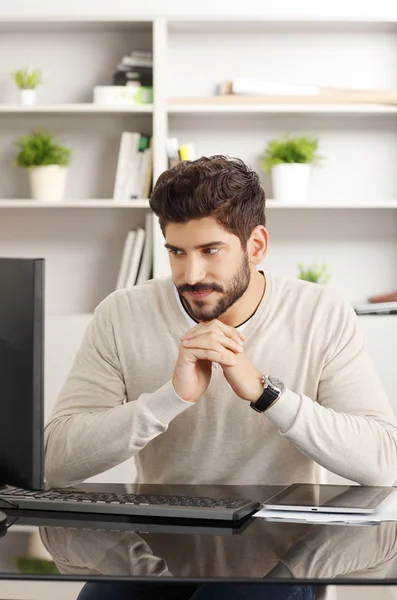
(136, 69)
(252, 87)
(176, 153)
(134, 167)
(137, 257)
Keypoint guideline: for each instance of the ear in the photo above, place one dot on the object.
(257, 244)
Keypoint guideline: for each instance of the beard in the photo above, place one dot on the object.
(236, 288)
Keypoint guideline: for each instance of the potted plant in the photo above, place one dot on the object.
(316, 273)
(27, 80)
(47, 164)
(289, 160)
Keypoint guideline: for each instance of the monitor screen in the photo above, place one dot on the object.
(22, 372)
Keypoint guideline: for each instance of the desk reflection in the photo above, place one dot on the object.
(265, 550)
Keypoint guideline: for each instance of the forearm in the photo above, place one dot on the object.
(359, 448)
(80, 445)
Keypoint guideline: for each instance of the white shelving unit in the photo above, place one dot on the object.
(355, 180)
(70, 204)
(204, 107)
(76, 108)
(334, 205)
(350, 221)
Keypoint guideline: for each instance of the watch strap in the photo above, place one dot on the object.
(267, 398)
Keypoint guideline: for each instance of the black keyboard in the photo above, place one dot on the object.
(145, 505)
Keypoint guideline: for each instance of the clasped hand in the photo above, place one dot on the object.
(209, 342)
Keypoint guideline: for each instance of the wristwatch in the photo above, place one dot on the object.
(273, 388)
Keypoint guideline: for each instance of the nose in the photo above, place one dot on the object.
(194, 271)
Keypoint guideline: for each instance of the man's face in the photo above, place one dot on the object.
(209, 267)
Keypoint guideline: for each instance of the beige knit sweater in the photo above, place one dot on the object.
(118, 400)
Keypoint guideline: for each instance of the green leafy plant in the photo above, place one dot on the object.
(290, 150)
(38, 566)
(27, 79)
(316, 273)
(39, 148)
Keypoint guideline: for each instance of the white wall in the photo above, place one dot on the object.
(367, 9)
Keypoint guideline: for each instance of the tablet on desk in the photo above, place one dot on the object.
(330, 498)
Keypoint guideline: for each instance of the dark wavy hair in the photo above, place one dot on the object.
(220, 187)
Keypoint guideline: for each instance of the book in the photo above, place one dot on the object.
(125, 259)
(142, 165)
(136, 256)
(187, 152)
(147, 171)
(126, 167)
(172, 148)
(136, 61)
(134, 167)
(145, 268)
(250, 86)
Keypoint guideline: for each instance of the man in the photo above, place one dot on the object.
(222, 374)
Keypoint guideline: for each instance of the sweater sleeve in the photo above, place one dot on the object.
(350, 428)
(92, 428)
(330, 552)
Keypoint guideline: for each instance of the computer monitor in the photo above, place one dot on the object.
(22, 372)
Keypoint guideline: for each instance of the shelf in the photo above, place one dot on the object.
(343, 101)
(354, 23)
(197, 108)
(55, 23)
(75, 109)
(348, 205)
(74, 204)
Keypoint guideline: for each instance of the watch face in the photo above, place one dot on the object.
(277, 383)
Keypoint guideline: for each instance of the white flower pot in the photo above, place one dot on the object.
(27, 97)
(290, 182)
(48, 183)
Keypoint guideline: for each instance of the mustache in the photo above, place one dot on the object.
(199, 288)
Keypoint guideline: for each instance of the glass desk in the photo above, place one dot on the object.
(83, 548)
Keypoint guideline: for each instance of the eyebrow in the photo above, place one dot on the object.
(199, 247)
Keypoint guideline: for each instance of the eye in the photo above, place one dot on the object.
(174, 252)
(211, 250)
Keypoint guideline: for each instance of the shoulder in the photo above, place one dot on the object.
(312, 306)
(318, 310)
(127, 301)
(304, 294)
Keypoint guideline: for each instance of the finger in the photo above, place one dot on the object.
(228, 331)
(213, 340)
(223, 358)
(212, 331)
